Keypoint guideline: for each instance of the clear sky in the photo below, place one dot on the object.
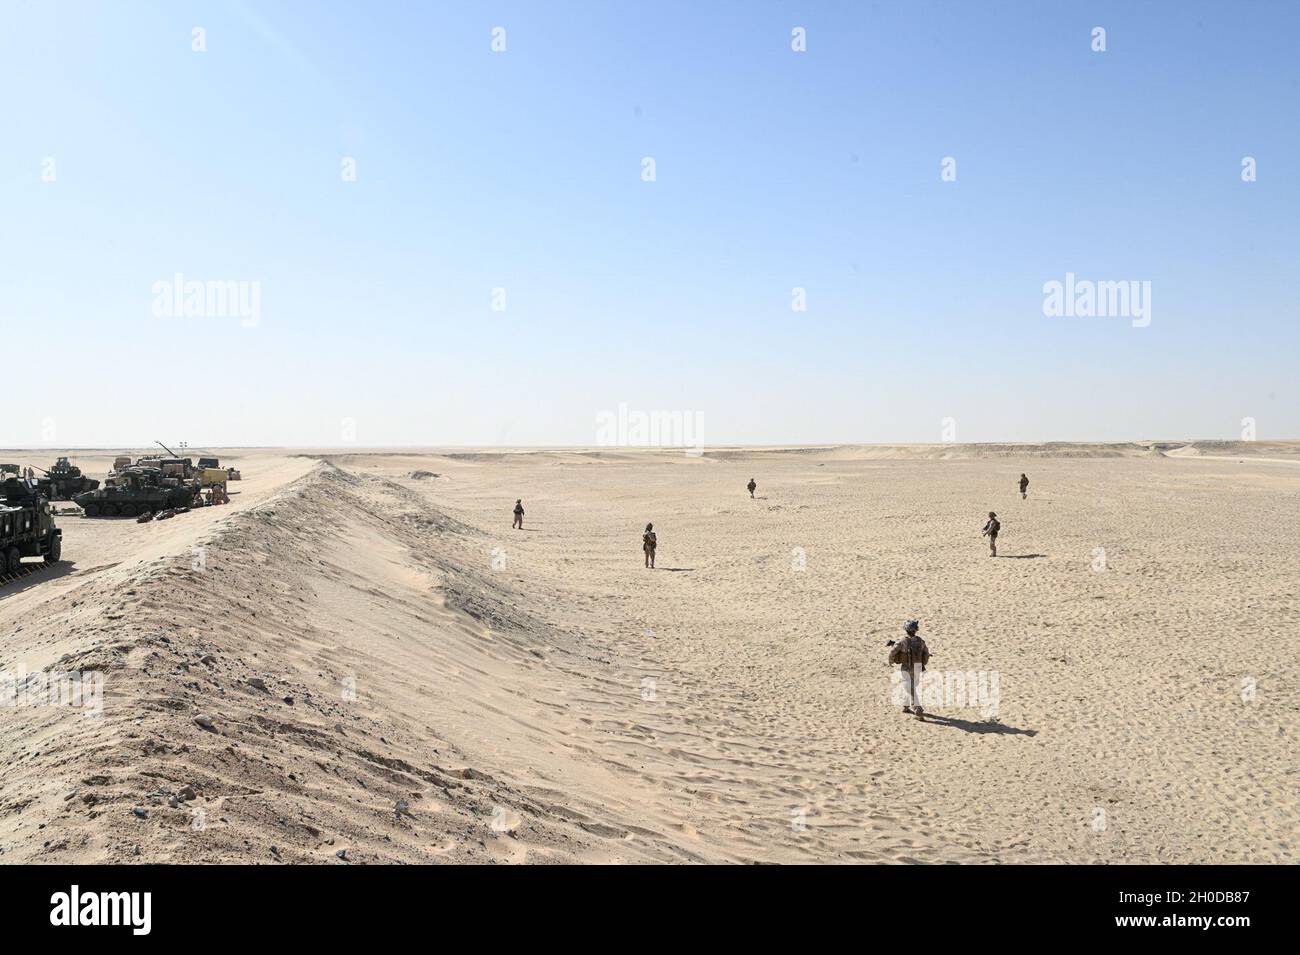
(522, 170)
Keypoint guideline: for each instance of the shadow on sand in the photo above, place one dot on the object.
(1020, 556)
(35, 578)
(981, 727)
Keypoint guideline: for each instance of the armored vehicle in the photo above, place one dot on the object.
(27, 527)
(135, 490)
(63, 481)
(171, 467)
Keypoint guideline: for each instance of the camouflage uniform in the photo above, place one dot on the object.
(990, 531)
(912, 655)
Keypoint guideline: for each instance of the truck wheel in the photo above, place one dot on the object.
(13, 560)
(108, 510)
(128, 510)
(55, 553)
(91, 510)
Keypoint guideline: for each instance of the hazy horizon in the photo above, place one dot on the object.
(435, 226)
(721, 446)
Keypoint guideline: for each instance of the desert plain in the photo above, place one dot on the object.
(359, 661)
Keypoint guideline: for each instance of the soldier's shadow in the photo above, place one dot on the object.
(984, 726)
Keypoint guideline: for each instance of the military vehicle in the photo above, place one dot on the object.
(210, 472)
(214, 464)
(134, 490)
(27, 527)
(211, 476)
(170, 464)
(171, 467)
(64, 480)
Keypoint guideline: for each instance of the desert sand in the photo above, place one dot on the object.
(390, 673)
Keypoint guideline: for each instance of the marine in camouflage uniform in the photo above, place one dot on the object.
(991, 529)
(912, 655)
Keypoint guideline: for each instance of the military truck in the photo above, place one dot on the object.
(27, 527)
(64, 480)
(214, 464)
(135, 490)
(210, 476)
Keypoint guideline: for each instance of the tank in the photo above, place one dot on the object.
(64, 480)
(135, 490)
(27, 527)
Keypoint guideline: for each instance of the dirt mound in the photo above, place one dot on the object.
(1231, 449)
(283, 698)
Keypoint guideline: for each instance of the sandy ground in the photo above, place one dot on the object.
(389, 673)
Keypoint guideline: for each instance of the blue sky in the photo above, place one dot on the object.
(522, 169)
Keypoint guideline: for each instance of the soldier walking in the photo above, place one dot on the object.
(912, 655)
(990, 531)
